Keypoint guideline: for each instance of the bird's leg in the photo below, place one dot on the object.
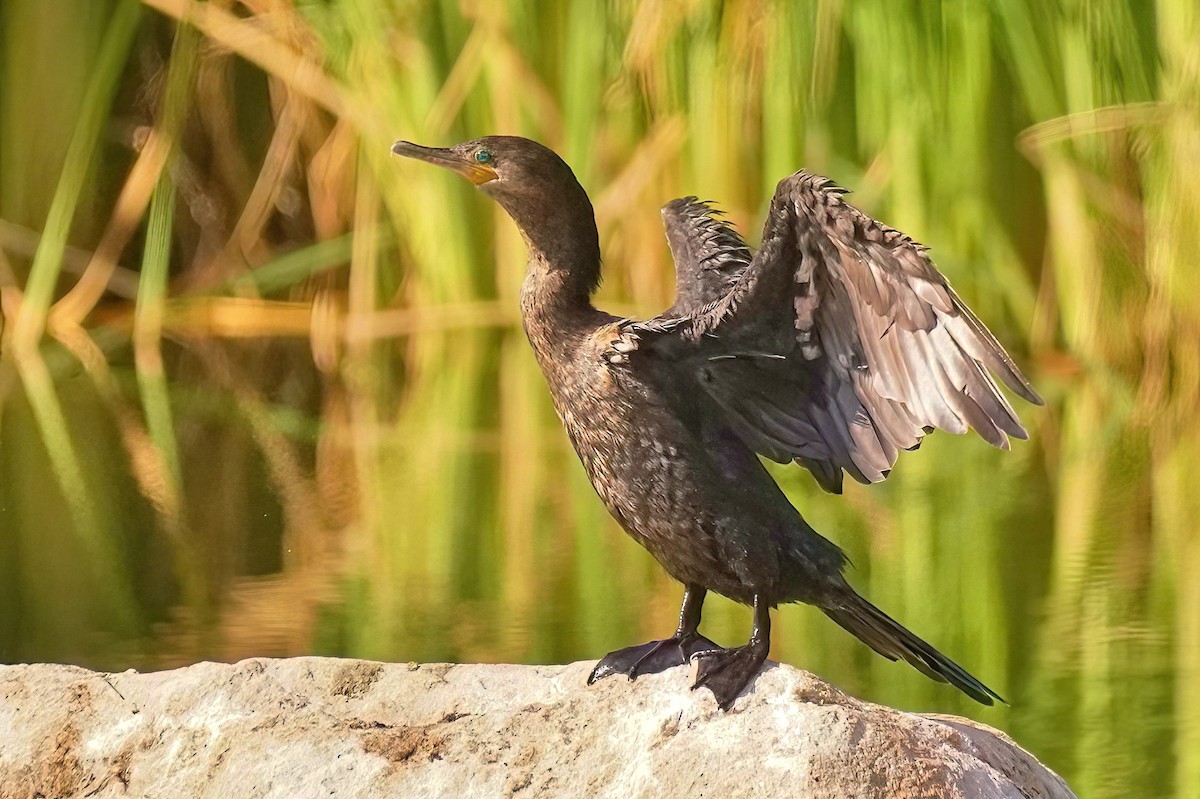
(658, 656)
(727, 672)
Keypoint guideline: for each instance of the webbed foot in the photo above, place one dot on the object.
(727, 672)
(652, 657)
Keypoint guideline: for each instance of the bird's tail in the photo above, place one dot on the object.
(889, 638)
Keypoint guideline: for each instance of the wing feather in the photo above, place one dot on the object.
(709, 254)
(872, 346)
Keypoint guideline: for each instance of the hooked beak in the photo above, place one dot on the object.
(475, 172)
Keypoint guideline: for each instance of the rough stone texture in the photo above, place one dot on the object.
(309, 727)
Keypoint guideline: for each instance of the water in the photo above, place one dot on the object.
(440, 515)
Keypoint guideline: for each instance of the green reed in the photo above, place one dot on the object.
(1043, 150)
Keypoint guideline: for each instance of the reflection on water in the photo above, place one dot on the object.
(330, 517)
(377, 471)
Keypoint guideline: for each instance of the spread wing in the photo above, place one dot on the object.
(840, 344)
(709, 254)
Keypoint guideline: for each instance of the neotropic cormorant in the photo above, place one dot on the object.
(836, 345)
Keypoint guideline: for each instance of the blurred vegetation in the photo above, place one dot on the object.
(264, 392)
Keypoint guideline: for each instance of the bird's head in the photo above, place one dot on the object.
(500, 166)
(536, 187)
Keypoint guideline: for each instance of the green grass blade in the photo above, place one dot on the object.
(43, 275)
(105, 558)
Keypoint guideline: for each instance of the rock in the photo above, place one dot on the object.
(308, 727)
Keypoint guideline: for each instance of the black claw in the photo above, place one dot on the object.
(727, 672)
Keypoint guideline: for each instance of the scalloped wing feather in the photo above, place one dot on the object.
(709, 254)
(877, 348)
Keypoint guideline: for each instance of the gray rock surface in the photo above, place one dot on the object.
(309, 727)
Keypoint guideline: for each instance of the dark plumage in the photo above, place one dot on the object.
(836, 345)
(709, 255)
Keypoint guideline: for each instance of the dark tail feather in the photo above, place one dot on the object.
(889, 638)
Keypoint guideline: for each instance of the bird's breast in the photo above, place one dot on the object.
(634, 448)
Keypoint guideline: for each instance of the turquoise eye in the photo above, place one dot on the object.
(483, 156)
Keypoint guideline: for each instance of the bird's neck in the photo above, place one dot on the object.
(552, 293)
(564, 259)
